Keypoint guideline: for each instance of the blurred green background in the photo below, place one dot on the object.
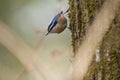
(29, 20)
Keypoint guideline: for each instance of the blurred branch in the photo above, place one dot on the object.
(93, 38)
(85, 53)
(19, 49)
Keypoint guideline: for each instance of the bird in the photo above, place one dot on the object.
(58, 24)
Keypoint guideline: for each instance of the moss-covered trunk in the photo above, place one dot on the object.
(82, 13)
(108, 68)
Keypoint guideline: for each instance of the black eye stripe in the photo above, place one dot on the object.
(52, 26)
(54, 22)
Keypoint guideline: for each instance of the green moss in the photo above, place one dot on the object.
(80, 17)
(109, 66)
(111, 46)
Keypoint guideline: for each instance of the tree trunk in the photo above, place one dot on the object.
(106, 62)
(108, 68)
(82, 14)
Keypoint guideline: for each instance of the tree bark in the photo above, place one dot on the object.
(82, 15)
(109, 66)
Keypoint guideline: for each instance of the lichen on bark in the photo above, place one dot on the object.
(108, 68)
(81, 15)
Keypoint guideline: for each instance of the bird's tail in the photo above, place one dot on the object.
(66, 11)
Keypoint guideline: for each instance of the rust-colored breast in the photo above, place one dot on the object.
(60, 27)
(62, 19)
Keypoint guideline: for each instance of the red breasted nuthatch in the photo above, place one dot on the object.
(58, 24)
